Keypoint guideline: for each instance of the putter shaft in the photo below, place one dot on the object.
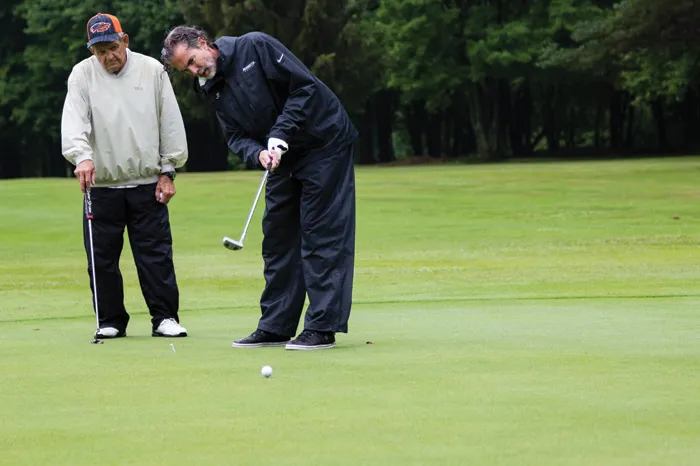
(234, 245)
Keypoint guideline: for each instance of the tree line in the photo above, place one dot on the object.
(490, 79)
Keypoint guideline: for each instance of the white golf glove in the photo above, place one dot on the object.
(277, 145)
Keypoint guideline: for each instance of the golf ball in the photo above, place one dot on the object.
(266, 371)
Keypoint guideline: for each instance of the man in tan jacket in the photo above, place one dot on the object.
(122, 129)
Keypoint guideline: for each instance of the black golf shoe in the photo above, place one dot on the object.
(261, 338)
(312, 340)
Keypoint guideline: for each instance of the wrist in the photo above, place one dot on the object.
(83, 158)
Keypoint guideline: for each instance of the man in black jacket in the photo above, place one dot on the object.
(275, 113)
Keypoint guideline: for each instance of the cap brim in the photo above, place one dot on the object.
(106, 38)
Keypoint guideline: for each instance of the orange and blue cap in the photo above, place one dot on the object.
(103, 28)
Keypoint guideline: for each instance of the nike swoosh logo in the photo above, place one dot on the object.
(279, 60)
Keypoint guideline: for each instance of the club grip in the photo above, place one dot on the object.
(88, 205)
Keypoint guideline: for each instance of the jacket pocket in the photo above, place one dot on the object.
(258, 99)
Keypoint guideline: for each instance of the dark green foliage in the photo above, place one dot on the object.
(447, 78)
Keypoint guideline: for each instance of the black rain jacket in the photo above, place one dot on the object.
(261, 90)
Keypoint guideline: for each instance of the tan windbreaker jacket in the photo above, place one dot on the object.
(128, 124)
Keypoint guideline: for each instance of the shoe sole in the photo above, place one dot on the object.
(309, 348)
(105, 337)
(181, 335)
(259, 345)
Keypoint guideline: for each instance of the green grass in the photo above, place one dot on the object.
(519, 314)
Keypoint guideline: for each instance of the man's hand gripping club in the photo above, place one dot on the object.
(275, 149)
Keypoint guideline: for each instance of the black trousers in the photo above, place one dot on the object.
(148, 225)
(309, 246)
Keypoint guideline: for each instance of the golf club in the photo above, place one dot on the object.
(232, 244)
(88, 215)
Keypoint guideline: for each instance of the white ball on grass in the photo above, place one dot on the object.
(266, 371)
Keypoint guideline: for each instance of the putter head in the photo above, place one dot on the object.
(97, 342)
(232, 244)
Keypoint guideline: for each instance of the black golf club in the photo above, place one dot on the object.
(88, 216)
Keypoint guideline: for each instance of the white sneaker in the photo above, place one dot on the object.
(108, 332)
(169, 328)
